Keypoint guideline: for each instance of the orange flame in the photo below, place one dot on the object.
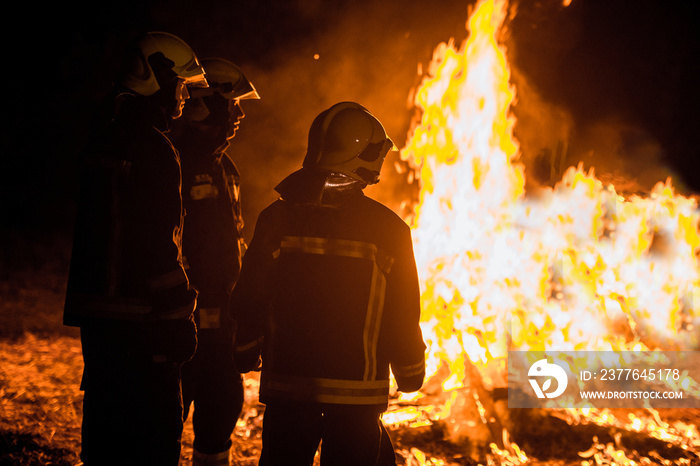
(577, 267)
(464, 152)
(502, 270)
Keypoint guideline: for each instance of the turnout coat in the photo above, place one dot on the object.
(212, 241)
(329, 296)
(126, 278)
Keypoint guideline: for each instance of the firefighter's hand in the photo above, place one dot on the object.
(409, 377)
(249, 361)
(181, 301)
(175, 340)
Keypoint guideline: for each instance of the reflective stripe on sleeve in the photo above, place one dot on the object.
(182, 312)
(86, 306)
(171, 279)
(337, 391)
(409, 370)
(118, 308)
(249, 346)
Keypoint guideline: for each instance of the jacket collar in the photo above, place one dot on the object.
(319, 188)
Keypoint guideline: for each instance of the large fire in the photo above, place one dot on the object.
(576, 267)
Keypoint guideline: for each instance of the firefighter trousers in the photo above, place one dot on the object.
(212, 385)
(132, 410)
(348, 434)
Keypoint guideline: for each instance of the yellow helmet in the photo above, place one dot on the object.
(348, 139)
(165, 51)
(227, 80)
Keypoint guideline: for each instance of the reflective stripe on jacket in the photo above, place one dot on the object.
(331, 299)
(363, 392)
(212, 235)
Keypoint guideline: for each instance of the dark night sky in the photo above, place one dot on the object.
(616, 78)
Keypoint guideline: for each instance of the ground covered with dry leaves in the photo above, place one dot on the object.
(40, 371)
(41, 406)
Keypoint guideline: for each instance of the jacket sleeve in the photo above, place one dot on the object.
(157, 221)
(161, 214)
(126, 263)
(403, 302)
(251, 298)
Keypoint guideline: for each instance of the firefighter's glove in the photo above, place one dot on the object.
(176, 302)
(175, 341)
(247, 361)
(409, 377)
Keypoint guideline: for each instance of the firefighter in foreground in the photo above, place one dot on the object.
(328, 295)
(212, 244)
(127, 288)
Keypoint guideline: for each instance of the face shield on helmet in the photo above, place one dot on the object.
(217, 106)
(348, 139)
(159, 56)
(226, 80)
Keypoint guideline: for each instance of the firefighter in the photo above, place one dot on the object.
(127, 289)
(328, 300)
(212, 244)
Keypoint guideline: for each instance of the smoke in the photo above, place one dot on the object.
(368, 52)
(580, 80)
(587, 93)
(542, 130)
(371, 52)
(621, 152)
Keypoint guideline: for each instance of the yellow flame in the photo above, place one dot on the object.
(464, 150)
(577, 267)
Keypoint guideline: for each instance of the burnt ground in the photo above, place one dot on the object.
(40, 405)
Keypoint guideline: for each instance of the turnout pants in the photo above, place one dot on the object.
(348, 434)
(132, 407)
(210, 382)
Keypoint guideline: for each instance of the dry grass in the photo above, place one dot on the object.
(41, 406)
(40, 402)
(40, 370)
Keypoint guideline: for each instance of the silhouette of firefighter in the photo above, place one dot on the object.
(127, 288)
(328, 295)
(212, 244)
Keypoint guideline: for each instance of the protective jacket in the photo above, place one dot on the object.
(213, 240)
(126, 267)
(329, 294)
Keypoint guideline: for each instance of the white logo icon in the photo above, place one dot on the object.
(544, 369)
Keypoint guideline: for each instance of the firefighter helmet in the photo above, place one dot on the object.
(227, 80)
(348, 139)
(158, 51)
